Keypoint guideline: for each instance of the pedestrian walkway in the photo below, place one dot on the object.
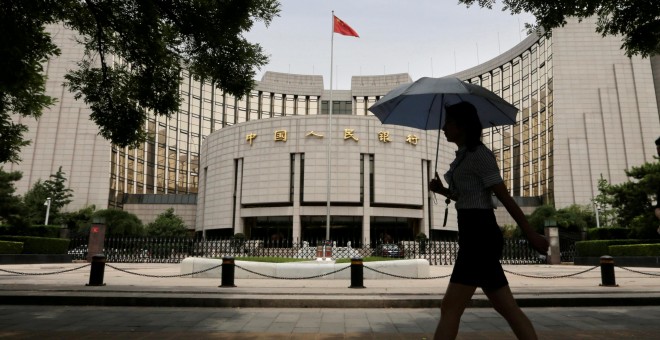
(147, 284)
(65, 322)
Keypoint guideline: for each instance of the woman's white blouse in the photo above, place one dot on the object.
(470, 177)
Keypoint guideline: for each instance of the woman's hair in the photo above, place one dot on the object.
(465, 116)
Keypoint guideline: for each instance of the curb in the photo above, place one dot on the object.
(138, 299)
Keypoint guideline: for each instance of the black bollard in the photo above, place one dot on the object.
(357, 273)
(607, 271)
(97, 270)
(228, 268)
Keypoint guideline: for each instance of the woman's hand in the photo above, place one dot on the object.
(539, 243)
(436, 185)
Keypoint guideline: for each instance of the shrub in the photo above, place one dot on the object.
(608, 233)
(635, 250)
(8, 247)
(40, 245)
(600, 247)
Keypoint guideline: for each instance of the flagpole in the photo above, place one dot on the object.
(329, 143)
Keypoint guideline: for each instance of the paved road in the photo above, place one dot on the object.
(62, 322)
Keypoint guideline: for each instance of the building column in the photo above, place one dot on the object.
(296, 198)
(366, 205)
(239, 226)
(426, 217)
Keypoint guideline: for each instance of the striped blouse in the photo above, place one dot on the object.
(470, 177)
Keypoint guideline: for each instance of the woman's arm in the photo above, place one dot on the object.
(538, 242)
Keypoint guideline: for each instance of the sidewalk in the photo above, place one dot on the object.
(555, 289)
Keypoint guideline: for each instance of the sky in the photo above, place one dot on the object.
(424, 38)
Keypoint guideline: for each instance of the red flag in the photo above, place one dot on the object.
(342, 28)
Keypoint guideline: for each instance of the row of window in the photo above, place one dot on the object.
(169, 161)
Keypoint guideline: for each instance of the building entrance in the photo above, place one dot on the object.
(393, 229)
(342, 230)
(272, 229)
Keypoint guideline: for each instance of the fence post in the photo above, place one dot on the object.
(228, 268)
(97, 270)
(357, 273)
(607, 271)
(552, 234)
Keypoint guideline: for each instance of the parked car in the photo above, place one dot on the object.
(389, 250)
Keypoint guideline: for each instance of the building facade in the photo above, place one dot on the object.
(586, 111)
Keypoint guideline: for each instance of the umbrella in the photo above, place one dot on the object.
(421, 104)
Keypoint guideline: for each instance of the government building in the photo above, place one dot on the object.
(265, 164)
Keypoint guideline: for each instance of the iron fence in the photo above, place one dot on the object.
(173, 250)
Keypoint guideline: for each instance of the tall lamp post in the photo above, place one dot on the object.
(597, 215)
(47, 204)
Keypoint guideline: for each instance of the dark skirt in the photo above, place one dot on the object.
(480, 244)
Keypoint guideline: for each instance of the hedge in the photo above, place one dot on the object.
(35, 230)
(40, 245)
(8, 247)
(600, 247)
(635, 250)
(608, 233)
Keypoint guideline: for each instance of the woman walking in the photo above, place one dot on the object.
(472, 178)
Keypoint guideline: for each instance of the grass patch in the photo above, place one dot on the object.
(369, 259)
(270, 259)
(273, 259)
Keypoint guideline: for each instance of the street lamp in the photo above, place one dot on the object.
(597, 215)
(47, 204)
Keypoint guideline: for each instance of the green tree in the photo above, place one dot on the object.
(135, 51)
(167, 224)
(12, 210)
(58, 192)
(575, 218)
(636, 21)
(572, 218)
(633, 199)
(605, 203)
(25, 47)
(540, 215)
(77, 221)
(34, 200)
(36, 197)
(118, 223)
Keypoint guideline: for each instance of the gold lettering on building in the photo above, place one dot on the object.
(384, 136)
(280, 136)
(412, 139)
(350, 134)
(315, 134)
(250, 137)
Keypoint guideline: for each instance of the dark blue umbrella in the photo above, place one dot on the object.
(421, 104)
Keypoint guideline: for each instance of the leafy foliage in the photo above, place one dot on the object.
(634, 20)
(78, 221)
(118, 223)
(59, 194)
(135, 51)
(167, 224)
(632, 199)
(572, 218)
(54, 188)
(12, 209)
(24, 47)
(34, 200)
